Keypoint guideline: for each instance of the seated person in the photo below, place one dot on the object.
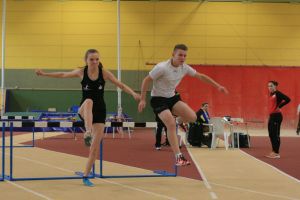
(119, 117)
(203, 116)
(196, 136)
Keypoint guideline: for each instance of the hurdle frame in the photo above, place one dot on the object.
(156, 173)
(16, 118)
(10, 177)
(79, 175)
(60, 116)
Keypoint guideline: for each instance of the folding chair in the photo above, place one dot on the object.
(218, 130)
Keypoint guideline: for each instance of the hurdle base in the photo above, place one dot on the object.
(164, 173)
(81, 174)
(45, 178)
(7, 178)
(157, 173)
(19, 146)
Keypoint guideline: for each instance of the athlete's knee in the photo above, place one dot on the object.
(88, 103)
(193, 117)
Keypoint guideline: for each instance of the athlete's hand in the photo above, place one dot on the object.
(142, 105)
(136, 96)
(39, 72)
(223, 89)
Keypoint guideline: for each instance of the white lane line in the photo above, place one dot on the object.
(255, 192)
(112, 182)
(276, 169)
(213, 195)
(40, 163)
(138, 189)
(248, 190)
(28, 190)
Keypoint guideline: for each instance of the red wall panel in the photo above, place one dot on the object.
(248, 93)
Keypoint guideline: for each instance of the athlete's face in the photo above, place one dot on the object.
(271, 87)
(179, 57)
(93, 60)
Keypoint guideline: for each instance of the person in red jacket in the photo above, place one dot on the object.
(276, 101)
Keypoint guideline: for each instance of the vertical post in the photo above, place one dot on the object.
(93, 170)
(119, 55)
(101, 158)
(11, 151)
(3, 52)
(33, 137)
(175, 166)
(3, 149)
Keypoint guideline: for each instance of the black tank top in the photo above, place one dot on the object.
(93, 89)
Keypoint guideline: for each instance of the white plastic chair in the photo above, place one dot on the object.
(218, 130)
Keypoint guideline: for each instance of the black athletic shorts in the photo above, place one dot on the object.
(99, 113)
(160, 104)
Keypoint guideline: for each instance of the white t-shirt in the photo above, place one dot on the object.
(166, 77)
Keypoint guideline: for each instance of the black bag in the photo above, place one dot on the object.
(194, 135)
(243, 140)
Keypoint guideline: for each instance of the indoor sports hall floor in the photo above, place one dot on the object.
(214, 174)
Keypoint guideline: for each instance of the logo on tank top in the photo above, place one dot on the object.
(86, 87)
(100, 87)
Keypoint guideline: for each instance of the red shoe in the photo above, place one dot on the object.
(181, 161)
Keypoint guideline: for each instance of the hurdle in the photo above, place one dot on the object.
(156, 173)
(59, 116)
(17, 118)
(2, 118)
(37, 124)
(113, 117)
(78, 175)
